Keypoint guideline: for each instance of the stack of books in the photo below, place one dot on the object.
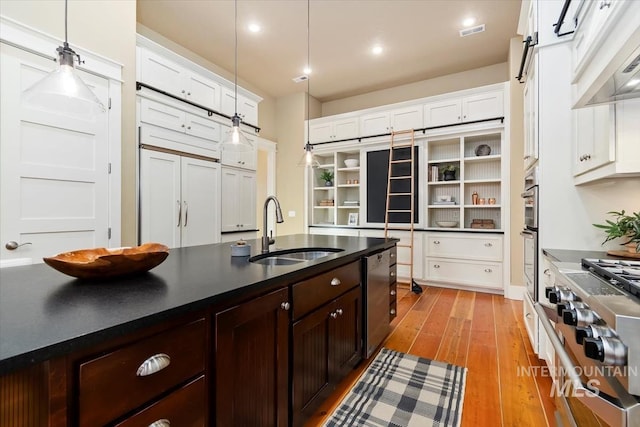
(443, 203)
(326, 202)
(351, 203)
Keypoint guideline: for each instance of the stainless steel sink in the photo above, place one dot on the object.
(293, 256)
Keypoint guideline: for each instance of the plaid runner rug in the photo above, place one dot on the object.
(402, 390)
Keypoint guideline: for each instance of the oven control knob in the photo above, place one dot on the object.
(579, 317)
(593, 331)
(548, 290)
(593, 348)
(561, 295)
(568, 305)
(609, 350)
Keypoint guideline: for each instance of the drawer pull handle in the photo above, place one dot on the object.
(436, 242)
(488, 270)
(154, 364)
(339, 311)
(161, 423)
(436, 265)
(547, 272)
(285, 306)
(392, 292)
(334, 315)
(488, 244)
(528, 315)
(335, 281)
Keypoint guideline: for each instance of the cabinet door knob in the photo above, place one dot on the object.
(527, 157)
(182, 125)
(161, 423)
(183, 91)
(528, 315)
(436, 265)
(604, 4)
(393, 292)
(488, 270)
(154, 364)
(335, 281)
(546, 272)
(392, 274)
(392, 311)
(393, 255)
(334, 315)
(188, 93)
(488, 244)
(339, 311)
(436, 242)
(189, 127)
(285, 306)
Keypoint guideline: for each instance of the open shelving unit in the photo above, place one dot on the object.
(344, 191)
(475, 173)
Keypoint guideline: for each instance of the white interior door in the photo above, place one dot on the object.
(160, 202)
(54, 182)
(200, 202)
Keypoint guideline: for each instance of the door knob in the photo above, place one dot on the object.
(13, 245)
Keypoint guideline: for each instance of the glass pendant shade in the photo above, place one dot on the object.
(63, 91)
(234, 140)
(308, 160)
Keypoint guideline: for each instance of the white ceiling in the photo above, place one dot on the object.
(420, 37)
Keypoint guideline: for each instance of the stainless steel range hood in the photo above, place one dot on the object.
(623, 84)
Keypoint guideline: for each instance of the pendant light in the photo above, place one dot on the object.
(62, 90)
(308, 160)
(235, 141)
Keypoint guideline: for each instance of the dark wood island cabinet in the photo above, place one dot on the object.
(198, 341)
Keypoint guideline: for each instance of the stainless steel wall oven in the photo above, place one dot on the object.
(530, 232)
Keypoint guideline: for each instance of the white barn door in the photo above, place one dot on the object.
(54, 178)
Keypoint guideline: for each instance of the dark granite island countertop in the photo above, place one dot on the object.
(45, 314)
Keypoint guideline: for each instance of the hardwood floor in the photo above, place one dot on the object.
(483, 332)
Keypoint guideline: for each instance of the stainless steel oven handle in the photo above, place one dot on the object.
(527, 234)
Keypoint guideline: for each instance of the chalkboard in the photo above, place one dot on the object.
(377, 175)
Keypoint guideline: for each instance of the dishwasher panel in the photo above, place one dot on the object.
(376, 301)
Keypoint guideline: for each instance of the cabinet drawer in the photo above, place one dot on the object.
(465, 247)
(312, 293)
(109, 385)
(465, 273)
(184, 407)
(162, 115)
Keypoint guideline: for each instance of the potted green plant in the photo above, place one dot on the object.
(327, 177)
(448, 172)
(626, 227)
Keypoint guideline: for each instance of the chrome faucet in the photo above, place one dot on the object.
(266, 240)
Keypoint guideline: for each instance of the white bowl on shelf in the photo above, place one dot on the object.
(352, 163)
(447, 224)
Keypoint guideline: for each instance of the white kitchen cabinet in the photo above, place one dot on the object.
(393, 120)
(238, 200)
(530, 318)
(472, 260)
(247, 108)
(608, 138)
(334, 130)
(240, 159)
(594, 137)
(171, 77)
(207, 132)
(486, 105)
(179, 199)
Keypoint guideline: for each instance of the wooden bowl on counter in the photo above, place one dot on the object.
(102, 263)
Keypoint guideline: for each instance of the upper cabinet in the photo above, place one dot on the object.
(247, 109)
(394, 120)
(470, 108)
(162, 73)
(333, 130)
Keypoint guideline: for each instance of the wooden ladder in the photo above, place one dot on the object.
(391, 178)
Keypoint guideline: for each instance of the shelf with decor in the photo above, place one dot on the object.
(338, 203)
(464, 182)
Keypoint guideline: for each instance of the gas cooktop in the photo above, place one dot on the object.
(624, 274)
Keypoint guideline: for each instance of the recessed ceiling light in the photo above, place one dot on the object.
(307, 70)
(469, 22)
(376, 50)
(254, 27)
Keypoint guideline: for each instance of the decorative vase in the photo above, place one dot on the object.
(632, 248)
(449, 175)
(328, 184)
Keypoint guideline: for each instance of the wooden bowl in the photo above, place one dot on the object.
(101, 263)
